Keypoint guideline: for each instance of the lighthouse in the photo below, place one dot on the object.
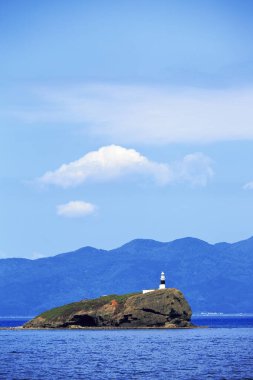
(161, 286)
(162, 281)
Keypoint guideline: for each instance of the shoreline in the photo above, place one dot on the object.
(21, 328)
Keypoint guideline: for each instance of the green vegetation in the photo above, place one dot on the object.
(74, 307)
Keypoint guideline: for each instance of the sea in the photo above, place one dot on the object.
(221, 349)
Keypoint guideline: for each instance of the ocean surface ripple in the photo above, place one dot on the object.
(215, 353)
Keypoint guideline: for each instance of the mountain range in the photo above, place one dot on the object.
(213, 277)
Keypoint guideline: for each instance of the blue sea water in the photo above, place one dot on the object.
(12, 322)
(224, 351)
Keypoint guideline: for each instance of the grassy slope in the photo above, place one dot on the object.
(66, 310)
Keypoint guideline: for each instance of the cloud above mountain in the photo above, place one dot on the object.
(146, 114)
(114, 162)
(76, 209)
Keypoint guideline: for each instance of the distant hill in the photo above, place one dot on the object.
(215, 277)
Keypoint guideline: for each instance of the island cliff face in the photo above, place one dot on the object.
(161, 308)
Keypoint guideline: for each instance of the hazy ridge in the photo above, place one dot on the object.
(215, 277)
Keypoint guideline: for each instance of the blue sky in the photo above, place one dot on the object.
(123, 120)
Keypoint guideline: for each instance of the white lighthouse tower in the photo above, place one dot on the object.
(162, 281)
(161, 286)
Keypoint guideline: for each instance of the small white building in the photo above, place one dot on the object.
(148, 291)
(161, 286)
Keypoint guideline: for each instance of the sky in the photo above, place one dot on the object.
(123, 120)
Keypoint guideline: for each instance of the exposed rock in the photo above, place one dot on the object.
(161, 308)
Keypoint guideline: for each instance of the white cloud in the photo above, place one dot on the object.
(195, 168)
(112, 162)
(75, 209)
(146, 114)
(248, 186)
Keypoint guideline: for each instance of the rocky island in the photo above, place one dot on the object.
(165, 308)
